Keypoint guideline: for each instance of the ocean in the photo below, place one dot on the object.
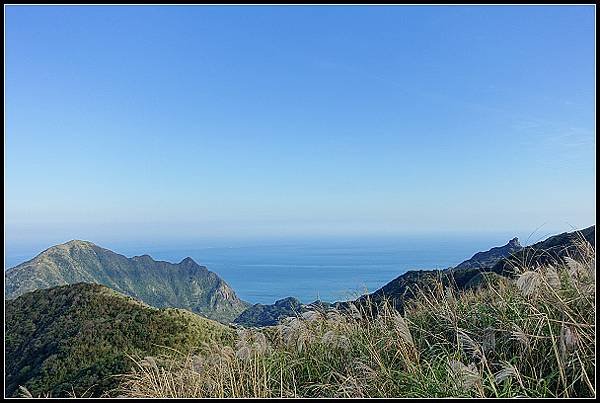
(326, 269)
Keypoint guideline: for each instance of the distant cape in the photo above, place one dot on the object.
(499, 260)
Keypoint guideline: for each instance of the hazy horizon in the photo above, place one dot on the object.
(20, 250)
(178, 124)
(330, 268)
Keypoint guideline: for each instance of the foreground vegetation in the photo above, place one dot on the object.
(72, 340)
(532, 335)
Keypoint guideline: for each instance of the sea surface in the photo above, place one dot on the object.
(329, 270)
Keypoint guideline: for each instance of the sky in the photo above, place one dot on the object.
(178, 123)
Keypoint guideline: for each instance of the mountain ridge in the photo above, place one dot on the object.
(185, 285)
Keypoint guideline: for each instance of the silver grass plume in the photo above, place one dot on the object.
(467, 376)
(529, 282)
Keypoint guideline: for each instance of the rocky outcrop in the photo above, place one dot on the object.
(491, 257)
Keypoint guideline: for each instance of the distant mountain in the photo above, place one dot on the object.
(492, 256)
(548, 251)
(75, 338)
(271, 314)
(267, 315)
(183, 285)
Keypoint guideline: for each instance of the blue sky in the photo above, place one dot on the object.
(184, 122)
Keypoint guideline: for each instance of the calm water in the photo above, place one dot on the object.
(330, 270)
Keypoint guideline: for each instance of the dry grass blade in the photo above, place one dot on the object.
(402, 329)
(25, 393)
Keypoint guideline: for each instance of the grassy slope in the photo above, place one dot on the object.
(75, 337)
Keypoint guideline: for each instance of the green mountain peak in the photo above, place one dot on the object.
(185, 285)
